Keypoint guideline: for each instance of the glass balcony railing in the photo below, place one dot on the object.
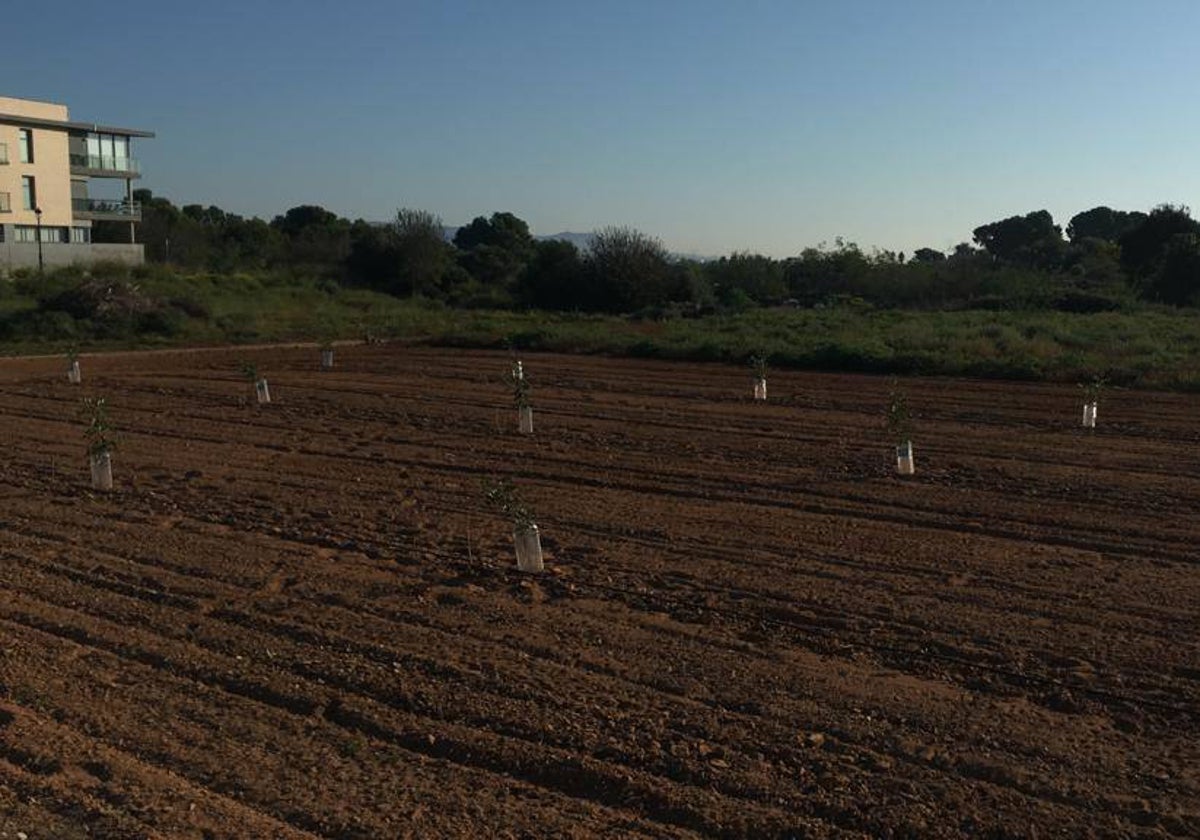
(107, 207)
(104, 163)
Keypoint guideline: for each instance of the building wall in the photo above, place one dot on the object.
(14, 255)
(33, 108)
(51, 167)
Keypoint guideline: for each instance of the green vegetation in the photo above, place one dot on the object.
(1109, 260)
(1120, 293)
(152, 306)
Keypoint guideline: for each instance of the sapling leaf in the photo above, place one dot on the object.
(503, 497)
(1092, 388)
(99, 432)
(758, 364)
(516, 380)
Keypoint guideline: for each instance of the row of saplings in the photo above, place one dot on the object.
(502, 495)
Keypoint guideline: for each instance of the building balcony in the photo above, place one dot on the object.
(103, 166)
(106, 210)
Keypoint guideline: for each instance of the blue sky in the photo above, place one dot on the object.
(759, 126)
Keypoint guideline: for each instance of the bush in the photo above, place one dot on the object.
(48, 326)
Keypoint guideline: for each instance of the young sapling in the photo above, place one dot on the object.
(327, 354)
(758, 364)
(515, 379)
(261, 390)
(1091, 400)
(527, 541)
(74, 375)
(518, 369)
(100, 442)
(899, 427)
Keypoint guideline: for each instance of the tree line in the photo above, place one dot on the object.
(1106, 259)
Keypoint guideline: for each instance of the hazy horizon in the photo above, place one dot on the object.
(768, 127)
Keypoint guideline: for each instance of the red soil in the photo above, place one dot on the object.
(299, 620)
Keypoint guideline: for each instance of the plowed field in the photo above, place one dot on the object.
(300, 620)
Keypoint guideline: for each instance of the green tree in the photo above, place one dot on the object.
(1102, 223)
(821, 272)
(424, 258)
(754, 276)
(305, 218)
(502, 230)
(1032, 240)
(1144, 247)
(554, 278)
(374, 258)
(313, 237)
(928, 255)
(1177, 280)
(494, 251)
(629, 270)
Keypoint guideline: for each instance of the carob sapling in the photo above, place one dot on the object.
(518, 383)
(262, 390)
(503, 497)
(899, 426)
(758, 364)
(101, 441)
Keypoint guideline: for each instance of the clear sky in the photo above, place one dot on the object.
(716, 126)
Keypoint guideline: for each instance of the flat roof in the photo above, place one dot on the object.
(71, 125)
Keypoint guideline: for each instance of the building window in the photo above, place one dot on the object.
(51, 234)
(25, 144)
(28, 192)
(108, 151)
(5, 204)
(81, 235)
(3, 153)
